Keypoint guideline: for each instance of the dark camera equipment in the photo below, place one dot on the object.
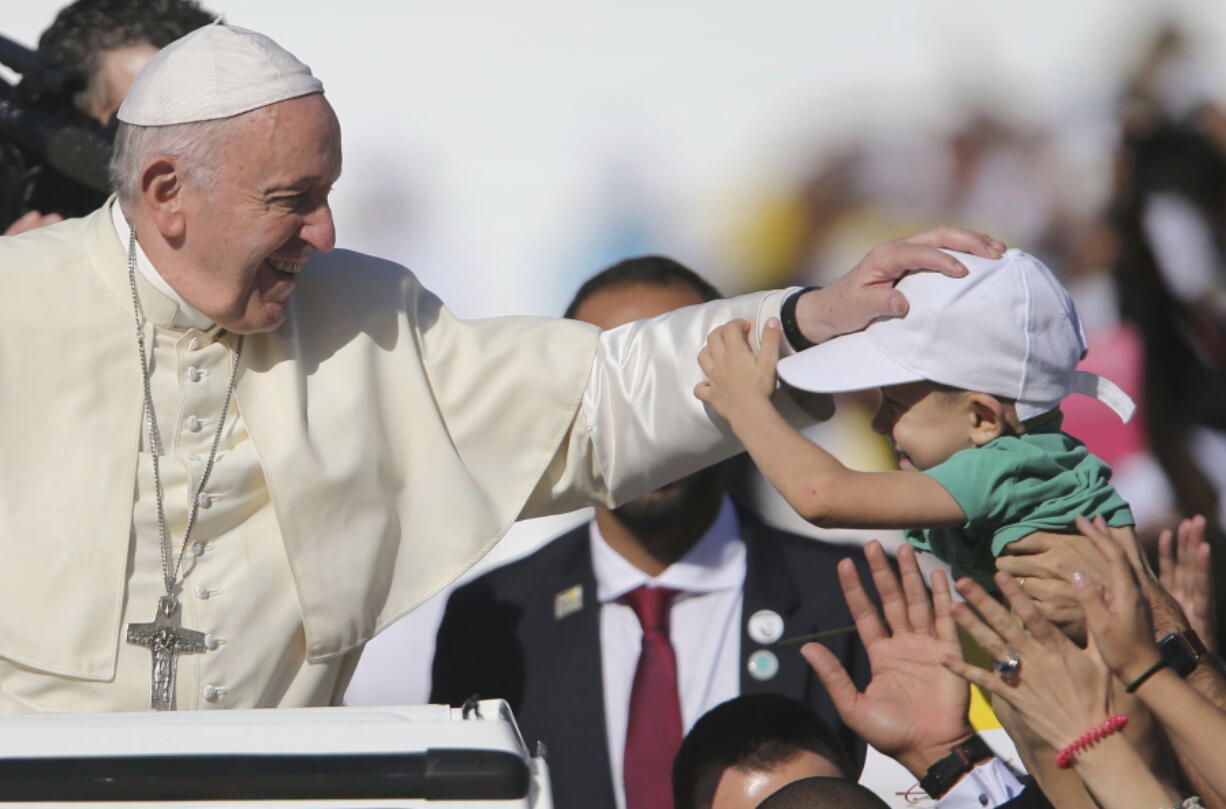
(53, 159)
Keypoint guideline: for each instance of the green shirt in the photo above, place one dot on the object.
(1012, 487)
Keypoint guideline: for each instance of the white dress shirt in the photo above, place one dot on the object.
(188, 316)
(703, 626)
(989, 784)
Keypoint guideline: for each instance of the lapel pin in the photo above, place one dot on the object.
(762, 665)
(568, 602)
(765, 627)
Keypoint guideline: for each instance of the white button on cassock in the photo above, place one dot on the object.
(194, 424)
(204, 500)
(211, 693)
(197, 548)
(211, 642)
(202, 591)
(193, 373)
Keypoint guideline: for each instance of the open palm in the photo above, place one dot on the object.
(914, 709)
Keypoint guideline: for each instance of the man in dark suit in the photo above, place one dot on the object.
(556, 634)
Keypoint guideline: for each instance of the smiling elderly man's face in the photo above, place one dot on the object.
(246, 237)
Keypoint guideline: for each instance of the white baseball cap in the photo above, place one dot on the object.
(216, 71)
(1007, 328)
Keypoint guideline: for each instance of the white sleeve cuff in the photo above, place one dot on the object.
(645, 424)
(989, 784)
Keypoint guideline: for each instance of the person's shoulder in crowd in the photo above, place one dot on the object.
(480, 645)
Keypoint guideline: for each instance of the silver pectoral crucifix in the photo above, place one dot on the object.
(166, 640)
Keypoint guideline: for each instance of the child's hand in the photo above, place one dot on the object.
(734, 375)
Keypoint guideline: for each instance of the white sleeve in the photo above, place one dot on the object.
(639, 425)
(989, 784)
(647, 427)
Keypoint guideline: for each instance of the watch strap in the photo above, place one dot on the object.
(787, 319)
(1145, 675)
(948, 770)
(1194, 642)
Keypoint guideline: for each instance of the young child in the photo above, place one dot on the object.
(970, 381)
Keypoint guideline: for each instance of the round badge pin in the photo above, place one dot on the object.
(765, 627)
(763, 665)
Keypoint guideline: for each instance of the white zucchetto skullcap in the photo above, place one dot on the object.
(215, 72)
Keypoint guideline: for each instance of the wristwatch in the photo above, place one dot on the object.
(961, 759)
(1182, 651)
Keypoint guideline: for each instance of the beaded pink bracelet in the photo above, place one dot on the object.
(1064, 759)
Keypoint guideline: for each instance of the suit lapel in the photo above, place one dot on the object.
(769, 587)
(571, 648)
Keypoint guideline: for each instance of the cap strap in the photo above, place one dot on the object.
(1105, 391)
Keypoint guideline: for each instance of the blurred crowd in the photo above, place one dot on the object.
(1142, 249)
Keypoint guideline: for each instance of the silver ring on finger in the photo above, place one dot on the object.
(1008, 667)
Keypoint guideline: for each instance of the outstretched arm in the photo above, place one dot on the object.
(913, 710)
(636, 426)
(1117, 617)
(739, 387)
(1060, 691)
(1054, 559)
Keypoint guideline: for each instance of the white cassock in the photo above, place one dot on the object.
(377, 446)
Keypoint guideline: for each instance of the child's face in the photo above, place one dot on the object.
(925, 425)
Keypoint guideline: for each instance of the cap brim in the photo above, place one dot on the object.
(846, 363)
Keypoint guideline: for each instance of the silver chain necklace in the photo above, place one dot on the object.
(163, 636)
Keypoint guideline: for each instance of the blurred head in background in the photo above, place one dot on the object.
(109, 41)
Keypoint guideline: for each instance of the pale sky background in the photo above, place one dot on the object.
(484, 140)
(488, 144)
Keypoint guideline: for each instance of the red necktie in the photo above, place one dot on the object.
(653, 732)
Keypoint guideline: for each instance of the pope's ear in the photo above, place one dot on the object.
(161, 192)
(987, 418)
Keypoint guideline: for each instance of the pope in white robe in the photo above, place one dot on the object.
(374, 445)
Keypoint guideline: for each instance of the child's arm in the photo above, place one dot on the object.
(814, 482)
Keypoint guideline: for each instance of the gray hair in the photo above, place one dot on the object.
(195, 148)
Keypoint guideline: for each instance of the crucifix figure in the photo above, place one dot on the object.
(166, 640)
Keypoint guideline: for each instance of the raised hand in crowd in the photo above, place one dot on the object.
(1117, 618)
(1049, 563)
(1060, 691)
(32, 220)
(1185, 569)
(913, 709)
